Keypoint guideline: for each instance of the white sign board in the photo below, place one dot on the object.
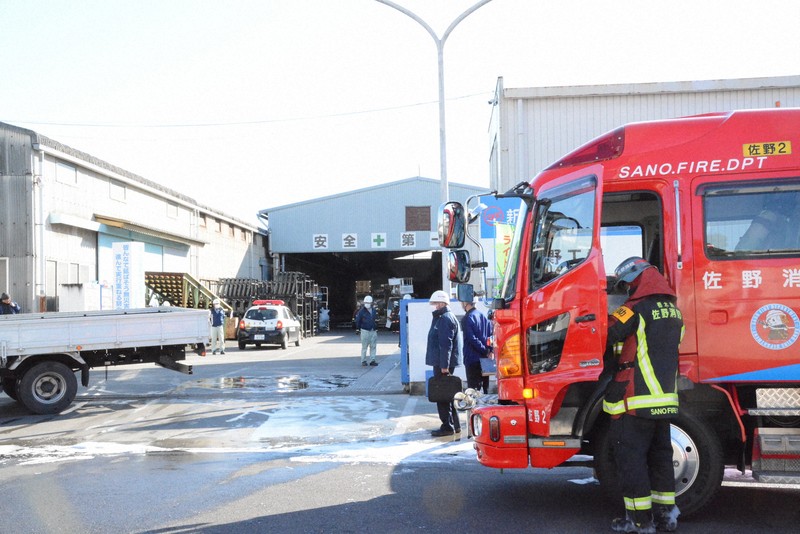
(419, 322)
(129, 288)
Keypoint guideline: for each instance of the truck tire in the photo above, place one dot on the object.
(697, 459)
(47, 388)
(10, 386)
(242, 345)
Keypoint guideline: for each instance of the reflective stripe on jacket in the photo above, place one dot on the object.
(651, 326)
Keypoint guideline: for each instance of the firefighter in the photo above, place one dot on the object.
(643, 397)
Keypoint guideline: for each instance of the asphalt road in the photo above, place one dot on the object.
(297, 440)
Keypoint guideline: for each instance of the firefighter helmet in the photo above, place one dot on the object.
(630, 269)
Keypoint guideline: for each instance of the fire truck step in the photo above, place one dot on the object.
(785, 412)
(776, 453)
(776, 477)
(782, 398)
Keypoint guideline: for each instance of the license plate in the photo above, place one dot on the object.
(258, 337)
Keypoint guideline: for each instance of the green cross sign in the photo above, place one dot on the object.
(378, 240)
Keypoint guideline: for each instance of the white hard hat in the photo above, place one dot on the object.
(367, 299)
(439, 296)
(215, 301)
(406, 297)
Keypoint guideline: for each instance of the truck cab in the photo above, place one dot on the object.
(712, 202)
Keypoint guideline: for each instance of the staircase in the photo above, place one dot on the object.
(179, 289)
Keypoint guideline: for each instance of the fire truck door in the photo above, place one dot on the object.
(746, 281)
(564, 311)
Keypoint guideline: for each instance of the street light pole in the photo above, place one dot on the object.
(442, 138)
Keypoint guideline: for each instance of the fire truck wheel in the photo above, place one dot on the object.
(10, 386)
(47, 388)
(698, 462)
(697, 459)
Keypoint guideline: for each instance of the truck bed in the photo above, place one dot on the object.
(58, 332)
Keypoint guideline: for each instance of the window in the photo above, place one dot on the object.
(563, 225)
(620, 243)
(4, 275)
(752, 219)
(172, 210)
(262, 315)
(66, 174)
(117, 191)
(418, 218)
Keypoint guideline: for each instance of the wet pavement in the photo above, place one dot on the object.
(296, 440)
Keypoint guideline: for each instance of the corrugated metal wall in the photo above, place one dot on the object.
(16, 237)
(534, 127)
(378, 209)
(16, 227)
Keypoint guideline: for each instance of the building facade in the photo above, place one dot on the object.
(532, 127)
(62, 209)
(374, 234)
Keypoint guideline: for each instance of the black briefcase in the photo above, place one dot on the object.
(442, 388)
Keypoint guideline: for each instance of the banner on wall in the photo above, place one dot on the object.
(129, 287)
(504, 234)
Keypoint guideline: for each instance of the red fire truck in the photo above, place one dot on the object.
(712, 201)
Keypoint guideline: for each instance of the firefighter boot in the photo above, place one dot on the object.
(666, 518)
(638, 522)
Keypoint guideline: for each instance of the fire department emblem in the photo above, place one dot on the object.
(775, 326)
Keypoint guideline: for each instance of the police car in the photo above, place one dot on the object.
(268, 322)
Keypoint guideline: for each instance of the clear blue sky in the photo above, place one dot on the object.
(250, 104)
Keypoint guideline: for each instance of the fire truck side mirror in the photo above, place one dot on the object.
(452, 225)
(458, 267)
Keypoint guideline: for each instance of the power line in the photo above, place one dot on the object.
(243, 123)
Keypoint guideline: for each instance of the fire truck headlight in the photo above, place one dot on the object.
(477, 424)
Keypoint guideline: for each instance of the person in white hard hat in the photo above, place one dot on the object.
(444, 355)
(217, 327)
(367, 326)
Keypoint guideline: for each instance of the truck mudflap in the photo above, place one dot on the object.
(501, 435)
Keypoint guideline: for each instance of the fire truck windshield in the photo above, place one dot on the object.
(509, 282)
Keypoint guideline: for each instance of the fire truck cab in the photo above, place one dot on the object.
(712, 201)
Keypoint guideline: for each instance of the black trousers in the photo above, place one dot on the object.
(448, 414)
(643, 453)
(475, 378)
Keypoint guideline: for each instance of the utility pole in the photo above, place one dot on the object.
(442, 138)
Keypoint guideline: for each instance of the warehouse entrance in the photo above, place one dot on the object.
(339, 271)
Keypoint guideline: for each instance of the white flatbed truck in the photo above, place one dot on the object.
(41, 352)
